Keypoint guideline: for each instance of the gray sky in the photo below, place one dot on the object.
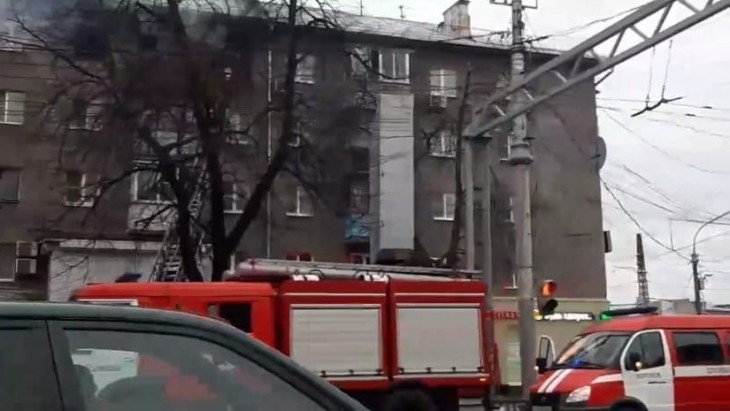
(665, 167)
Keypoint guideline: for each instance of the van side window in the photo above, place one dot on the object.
(649, 348)
(238, 314)
(698, 348)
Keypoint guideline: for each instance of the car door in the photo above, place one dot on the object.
(27, 378)
(130, 366)
(653, 382)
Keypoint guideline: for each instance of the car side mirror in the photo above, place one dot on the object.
(541, 364)
(633, 361)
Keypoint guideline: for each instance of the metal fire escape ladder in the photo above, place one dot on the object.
(490, 114)
(168, 265)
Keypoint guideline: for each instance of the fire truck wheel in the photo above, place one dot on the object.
(409, 400)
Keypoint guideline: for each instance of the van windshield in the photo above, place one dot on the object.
(596, 350)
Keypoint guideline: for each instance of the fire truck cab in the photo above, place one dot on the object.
(640, 361)
(388, 344)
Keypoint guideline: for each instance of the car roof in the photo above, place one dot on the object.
(646, 322)
(95, 312)
(86, 311)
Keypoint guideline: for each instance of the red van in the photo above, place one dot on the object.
(639, 361)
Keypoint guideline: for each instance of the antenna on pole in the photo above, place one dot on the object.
(402, 12)
(362, 8)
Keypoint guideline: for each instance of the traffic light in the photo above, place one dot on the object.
(546, 303)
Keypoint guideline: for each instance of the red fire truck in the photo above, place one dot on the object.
(389, 339)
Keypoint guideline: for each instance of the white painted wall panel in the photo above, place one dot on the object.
(337, 340)
(396, 182)
(439, 338)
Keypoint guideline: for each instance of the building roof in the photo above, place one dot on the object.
(367, 25)
(408, 29)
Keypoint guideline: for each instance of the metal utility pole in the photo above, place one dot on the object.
(487, 274)
(520, 159)
(643, 298)
(695, 260)
(697, 283)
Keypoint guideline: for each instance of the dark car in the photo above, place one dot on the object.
(78, 357)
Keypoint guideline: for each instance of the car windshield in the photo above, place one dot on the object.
(596, 350)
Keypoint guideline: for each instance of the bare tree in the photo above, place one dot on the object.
(128, 71)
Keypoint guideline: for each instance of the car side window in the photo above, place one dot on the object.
(27, 378)
(698, 348)
(124, 370)
(649, 348)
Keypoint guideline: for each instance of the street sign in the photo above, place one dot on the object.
(528, 4)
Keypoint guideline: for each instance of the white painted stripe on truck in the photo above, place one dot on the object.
(549, 379)
(554, 384)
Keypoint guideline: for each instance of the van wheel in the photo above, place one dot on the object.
(409, 400)
(627, 407)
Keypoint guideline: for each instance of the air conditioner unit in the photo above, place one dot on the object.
(27, 249)
(438, 100)
(26, 266)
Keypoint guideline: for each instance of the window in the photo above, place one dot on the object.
(236, 128)
(444, 207)
(25, 347)
(443, 144)
(81, 190)
(140, 371)
(595, 350)
(443, 83)
(359, 197)
(361, 61)
(12, 107)
(649, 348)
(148, 186)
(698, 348)
(305, 68)
(301, 204)
(299, 256)
(9, 185)
(85, 115)
(238, 314)
(235, 197)
(395, 66)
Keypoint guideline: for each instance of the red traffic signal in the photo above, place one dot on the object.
(548, 288)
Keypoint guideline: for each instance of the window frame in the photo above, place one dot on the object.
(249, 349)
(444, 208)
(440, 86)
(236, 196)
(442, 150)
(135, 189)
(306, 68)
(90, 108)
(300, 191)
(87, 200)
(4, 113)
(19, 184)
(390, 77)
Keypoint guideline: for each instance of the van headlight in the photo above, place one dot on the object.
(579, 394)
